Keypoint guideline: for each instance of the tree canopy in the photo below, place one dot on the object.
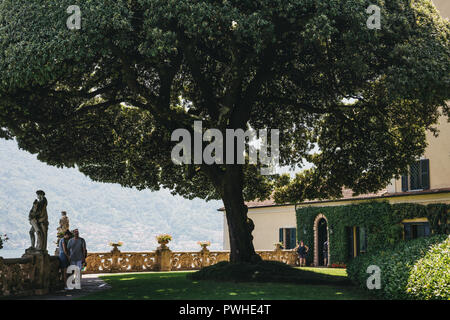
(107, 97)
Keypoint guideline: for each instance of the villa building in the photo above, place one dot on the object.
(428, 183)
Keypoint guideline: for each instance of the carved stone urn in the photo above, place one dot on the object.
(204, 245)
(163, 240)
(163, 243)
(115, 246)
(278, 246)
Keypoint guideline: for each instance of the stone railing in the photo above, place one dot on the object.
(39, 274)
(163, 259)
(287, 256)
(34, 275)
(121, 262)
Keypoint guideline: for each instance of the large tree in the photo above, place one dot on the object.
(352, 100)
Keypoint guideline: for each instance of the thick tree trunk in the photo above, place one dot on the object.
(239, 226)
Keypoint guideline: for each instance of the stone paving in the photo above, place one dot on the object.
(90, 283)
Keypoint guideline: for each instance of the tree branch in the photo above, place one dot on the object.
(241, 113)
(103, 105)
(205, 88)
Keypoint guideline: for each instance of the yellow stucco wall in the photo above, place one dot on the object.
(267, 223)
(443, 6)
(438, 151)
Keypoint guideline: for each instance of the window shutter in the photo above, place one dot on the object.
(425, 171)
(415, 176)
(349, 231)
(358, 243)
(427, 229)
(404, 183)
(292, 240)
(408, 231)
(281, 235)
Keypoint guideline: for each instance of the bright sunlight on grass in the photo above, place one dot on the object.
(339, 272)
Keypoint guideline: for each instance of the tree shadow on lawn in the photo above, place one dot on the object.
(267, 271)
(180, 285)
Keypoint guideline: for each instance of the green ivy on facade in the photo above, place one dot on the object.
(382, 221)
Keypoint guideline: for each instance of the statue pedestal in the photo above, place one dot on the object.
(42, 268)
(30, 252)
(163, 259)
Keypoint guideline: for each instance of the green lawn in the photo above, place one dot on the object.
(175, 285)
(339, 272)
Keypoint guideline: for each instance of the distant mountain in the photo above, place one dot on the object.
(102, 212)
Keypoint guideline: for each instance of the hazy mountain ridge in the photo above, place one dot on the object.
(102, 212)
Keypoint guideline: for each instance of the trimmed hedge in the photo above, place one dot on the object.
(430, 277)
(382, 221)
(415, 269)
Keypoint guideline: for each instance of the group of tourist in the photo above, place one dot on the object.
(302, 251)
(72, 251)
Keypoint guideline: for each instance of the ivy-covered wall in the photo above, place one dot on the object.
(381, 220)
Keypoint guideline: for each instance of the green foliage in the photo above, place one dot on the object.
(438, 216)
(381, 220)
(3, 239)
(66, 94)
(430, 277)
(416, 269)
(264, 271)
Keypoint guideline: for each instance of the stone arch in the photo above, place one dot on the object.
(319, 217)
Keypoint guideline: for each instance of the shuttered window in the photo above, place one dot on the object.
(418, 177)
(288, 236)
(416, 230)
(356, 241)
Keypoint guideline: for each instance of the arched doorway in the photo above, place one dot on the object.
(320, 236)
(323, 236)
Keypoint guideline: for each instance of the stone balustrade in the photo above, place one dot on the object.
(163, 259)
(121, 262)
(40, 274)
(34, 275)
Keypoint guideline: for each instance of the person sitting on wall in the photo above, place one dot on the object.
(302, 250)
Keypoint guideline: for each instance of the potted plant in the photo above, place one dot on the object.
(163, 239)
(204, 244)
(278, 245)
(115, 245)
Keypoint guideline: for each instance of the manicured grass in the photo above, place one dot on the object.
(338, 272)
(175, 285)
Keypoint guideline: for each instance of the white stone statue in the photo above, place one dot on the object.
(63, 223)
(38, 218)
